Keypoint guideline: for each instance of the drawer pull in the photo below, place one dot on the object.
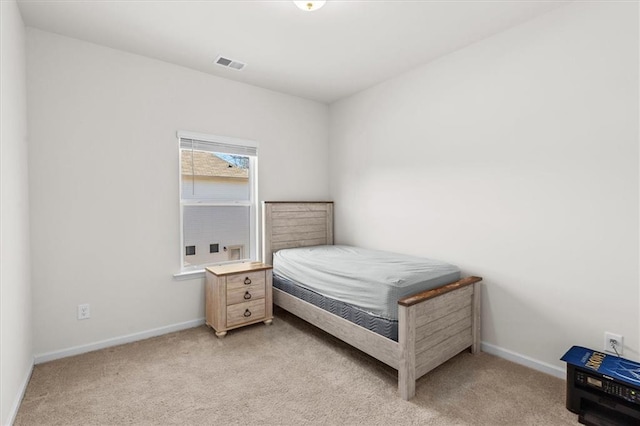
(247, 281)
(247, 295)
(247, 313)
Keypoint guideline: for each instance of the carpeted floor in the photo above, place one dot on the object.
(289, 373)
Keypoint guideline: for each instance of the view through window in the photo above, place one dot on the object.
(218, 200)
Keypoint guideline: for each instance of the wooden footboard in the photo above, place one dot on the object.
(433, 325)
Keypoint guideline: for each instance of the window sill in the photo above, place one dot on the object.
(189, 275)
(192, 274)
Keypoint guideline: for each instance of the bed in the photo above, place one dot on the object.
(431, 325)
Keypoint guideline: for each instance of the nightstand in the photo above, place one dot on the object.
(238, 294)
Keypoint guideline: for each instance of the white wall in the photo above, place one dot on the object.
(99, 116)
(16, 350)
(517, 159)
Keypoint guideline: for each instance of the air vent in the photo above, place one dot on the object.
(230, 63)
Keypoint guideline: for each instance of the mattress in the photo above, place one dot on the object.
(371, 280)
(384, 327)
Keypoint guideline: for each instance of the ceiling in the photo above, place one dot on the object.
(345, 47)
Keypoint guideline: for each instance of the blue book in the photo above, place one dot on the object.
(617, 368)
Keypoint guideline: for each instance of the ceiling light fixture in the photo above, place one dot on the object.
(309, 6)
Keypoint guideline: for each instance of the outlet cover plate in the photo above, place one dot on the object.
(84, 311)
(618, 337)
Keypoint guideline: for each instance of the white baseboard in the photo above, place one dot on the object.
(524, 360)
(76, 350)
(16, 404)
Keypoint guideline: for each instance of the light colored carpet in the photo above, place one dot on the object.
(289, 373)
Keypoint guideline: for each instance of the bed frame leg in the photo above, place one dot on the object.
(475, 347)
(407, 342)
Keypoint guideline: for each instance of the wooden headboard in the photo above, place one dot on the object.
(295, 224)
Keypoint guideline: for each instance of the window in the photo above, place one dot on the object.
(218, 200)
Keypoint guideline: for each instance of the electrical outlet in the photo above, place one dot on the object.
(611, 340)
(84, 312)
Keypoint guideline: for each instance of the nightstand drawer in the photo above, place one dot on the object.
(245, 294)
(245, 312)
(245, 279)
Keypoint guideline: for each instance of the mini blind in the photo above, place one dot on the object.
(217, 144)
(216, 168)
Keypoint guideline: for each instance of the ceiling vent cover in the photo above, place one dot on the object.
(230, 63)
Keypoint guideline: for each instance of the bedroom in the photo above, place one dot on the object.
(529, 179)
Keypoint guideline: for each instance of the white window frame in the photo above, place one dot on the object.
(252, 203)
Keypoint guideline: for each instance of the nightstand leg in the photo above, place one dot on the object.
(268, 322)
(221, 334)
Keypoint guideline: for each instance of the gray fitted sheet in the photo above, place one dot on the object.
(371, 280)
